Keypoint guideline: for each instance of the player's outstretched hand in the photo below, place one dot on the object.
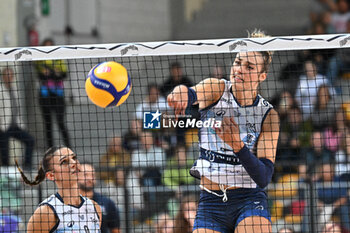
(178, 99)
(229, 133)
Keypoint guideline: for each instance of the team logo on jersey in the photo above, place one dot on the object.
(67, 212)
(81, 216)
(151, 120)
(220, 113)
(226, 100)
(70, 224)
(250, 127)
(94, 220)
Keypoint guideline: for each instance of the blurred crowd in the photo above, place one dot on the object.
(313, 157)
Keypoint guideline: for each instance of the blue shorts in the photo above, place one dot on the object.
(224, 217)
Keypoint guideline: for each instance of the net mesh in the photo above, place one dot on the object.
(145, 173)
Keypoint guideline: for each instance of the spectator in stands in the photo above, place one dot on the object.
(284, 102)
(289, 187)
(110, 213)
(10, 120)
(332, 227)
(218, 72)
(335, 131)
(164, 224)
(152, 102)
(307, 88)
(340, 17)
(339, 65)
(51, 74)
(317, 152)
(116, 156)
(150, 159)
(326, 18)
(176, 78)
(342, 158)
(325, 107)
(131, 139)
(320, 6)
(176, 173)
(184, 220)
(332, 197)
(295, 134)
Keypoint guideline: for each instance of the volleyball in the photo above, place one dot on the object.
(108, 84)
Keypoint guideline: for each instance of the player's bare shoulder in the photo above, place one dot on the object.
(272, 121)
(43, 220)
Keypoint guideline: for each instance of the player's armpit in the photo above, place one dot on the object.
(209, 91)
(268, 139)
(43, 220)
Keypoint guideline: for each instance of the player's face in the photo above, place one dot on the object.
(87, 177)
(246, 70)
(65, 167)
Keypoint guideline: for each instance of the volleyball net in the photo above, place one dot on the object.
(143, 166)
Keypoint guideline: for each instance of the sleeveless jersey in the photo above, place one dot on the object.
(249, 119)
(73, 219)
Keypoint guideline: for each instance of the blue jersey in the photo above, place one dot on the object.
(214, 151)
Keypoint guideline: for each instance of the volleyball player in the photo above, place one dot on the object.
(236, 161)
(67, 210)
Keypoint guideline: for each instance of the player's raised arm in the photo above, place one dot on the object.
(204, 93)
(267, 144)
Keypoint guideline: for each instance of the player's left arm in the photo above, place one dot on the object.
(99, 211)
(268, 139)
(259, 167)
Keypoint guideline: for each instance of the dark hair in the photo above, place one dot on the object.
(175, 64)
(48, 40)
(318, 104)
(44, 167)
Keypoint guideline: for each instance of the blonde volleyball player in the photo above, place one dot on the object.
(65, 211)
(236, 161)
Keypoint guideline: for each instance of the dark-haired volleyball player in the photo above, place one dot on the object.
(236, 161)
(67, 210)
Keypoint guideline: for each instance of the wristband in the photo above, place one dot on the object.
(192, 97)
